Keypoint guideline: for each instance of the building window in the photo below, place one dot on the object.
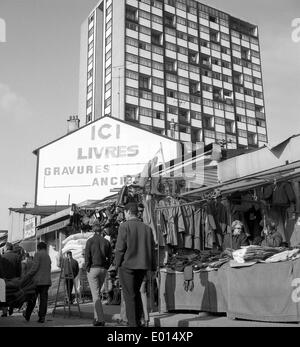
(183, 116)
(252, 139)
(108, 10)
(143, 94)
(144, 82)
(196, 115)
(90, 88)
(107, 102)
(91, 32)
(229, 126)
(157, 81)
(107, 86)
(172, 109)
(171, 93)
(208, 122)
(89, 103)
(91, 46)
(170, 65)
(196, 135)
(132, 74)
(156, 38)
(89, 118)
(241, 118)
(193, 57)
(157, 3)
(158, 114)
(90, 74)
(214, 36)
(144, 45)
(158, 98)
(132, 91)
(131, 113)
(195, 88)
(169, 20)
(171, 77)
(131, 26)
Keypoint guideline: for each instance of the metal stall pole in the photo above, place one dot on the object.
(158, 260)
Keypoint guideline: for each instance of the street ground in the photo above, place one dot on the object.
(157, 320)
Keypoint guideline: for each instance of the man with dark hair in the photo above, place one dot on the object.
(71, 270)
(135, 255)
(41, 274)
(98, 254)
(11, 264)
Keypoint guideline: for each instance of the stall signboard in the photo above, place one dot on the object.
(95, 159)
(29, 227)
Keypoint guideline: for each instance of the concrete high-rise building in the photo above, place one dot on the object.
(178, 68)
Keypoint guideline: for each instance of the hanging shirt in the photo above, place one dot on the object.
(170, 219)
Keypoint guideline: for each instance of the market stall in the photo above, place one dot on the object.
(256, 289)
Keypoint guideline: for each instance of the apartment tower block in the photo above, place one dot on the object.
(177, 68)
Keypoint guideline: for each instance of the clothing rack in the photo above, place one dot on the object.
(184, 204)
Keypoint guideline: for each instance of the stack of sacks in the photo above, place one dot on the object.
(53, 254)
(76, 244)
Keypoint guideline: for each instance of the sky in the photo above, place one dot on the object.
(39, 71)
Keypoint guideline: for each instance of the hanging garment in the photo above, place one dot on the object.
(210, 228)
(171, 222)
(295, 238)
(283, 194)
(198, 229)
(187, 221)
(149, 218)
(290, 222)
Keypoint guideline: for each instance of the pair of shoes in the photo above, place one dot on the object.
(41, 320)
(27, 318)
(4, 315)
(98, 324)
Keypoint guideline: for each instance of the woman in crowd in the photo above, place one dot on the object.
(237, 237)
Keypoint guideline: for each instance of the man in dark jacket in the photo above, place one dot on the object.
(98, 256)
(135, 255)
(41, 274)
(11, 264)
(71, 270)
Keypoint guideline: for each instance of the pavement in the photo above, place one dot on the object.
(171, 319)
(185, 319)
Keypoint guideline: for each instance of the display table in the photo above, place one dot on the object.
(263, 292)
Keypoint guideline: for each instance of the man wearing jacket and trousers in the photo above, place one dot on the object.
(135, 255)
(98, 256)
(41, 274)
